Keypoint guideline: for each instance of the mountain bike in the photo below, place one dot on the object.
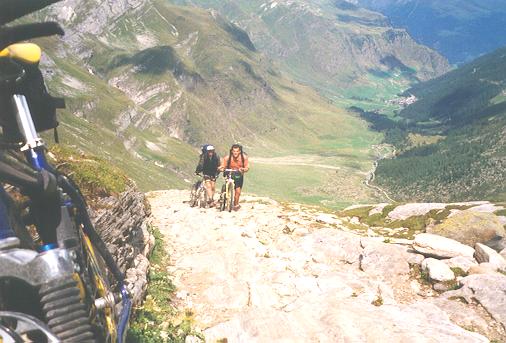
(58, 281)
(198, 194)
(227, 194)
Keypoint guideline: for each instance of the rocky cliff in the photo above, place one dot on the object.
(123, 221)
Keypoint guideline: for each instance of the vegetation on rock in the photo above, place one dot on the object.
(156, 320)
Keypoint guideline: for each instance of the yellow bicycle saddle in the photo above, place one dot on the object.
(24, 52)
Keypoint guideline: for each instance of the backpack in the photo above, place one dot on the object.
(203, 150)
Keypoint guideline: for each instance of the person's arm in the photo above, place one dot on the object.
(218, 164)
(200, 165)
(223, 164)
(246, 165)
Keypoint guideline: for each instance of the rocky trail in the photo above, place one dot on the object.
(273, 272)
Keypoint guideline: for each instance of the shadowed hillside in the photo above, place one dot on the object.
(453, 137)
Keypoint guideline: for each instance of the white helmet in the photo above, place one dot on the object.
(210, 147)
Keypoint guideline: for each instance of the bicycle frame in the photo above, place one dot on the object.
(229, 184)
(196, 193)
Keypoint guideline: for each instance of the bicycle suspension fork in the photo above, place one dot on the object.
(33, 146)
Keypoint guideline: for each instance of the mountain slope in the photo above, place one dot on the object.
(460, 30)
(463, 115)
(147, 82)
(342, 51)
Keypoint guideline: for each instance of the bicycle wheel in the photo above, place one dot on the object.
(193, 194)
(223, 198)
(203, 198)
(230, 198)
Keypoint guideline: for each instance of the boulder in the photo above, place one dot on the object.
(378, 208)
(470, 227)
(442, 247)
(487, 289)
(438, 270)
(497, 243)
(483, 268)
(472, 318)
(416, 209)
(461, 262)
(486, 254)
(382, 260)
(503, 253)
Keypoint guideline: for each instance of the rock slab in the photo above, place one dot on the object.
(470, 227)
(438, 270)
(442, 247)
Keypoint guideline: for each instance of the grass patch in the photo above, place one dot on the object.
(420, 275)
(452, 285)
(157, 320)
(500, 212)
(95, 176)
(414, 224)
(458, 272)
(359, 212)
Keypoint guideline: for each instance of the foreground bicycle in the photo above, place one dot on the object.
(198, 194)
(228, 191)
(58, 281)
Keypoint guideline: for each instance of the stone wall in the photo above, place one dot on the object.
(122, 221)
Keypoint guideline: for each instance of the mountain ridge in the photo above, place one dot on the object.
(340, 52)
(460, 30)
(462, 118)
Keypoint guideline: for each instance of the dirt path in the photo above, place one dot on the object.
(296, 160)
(372, 173)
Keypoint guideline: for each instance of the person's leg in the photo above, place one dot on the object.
(212, 184)
(208, 187)
(238, 187)
(237, 195)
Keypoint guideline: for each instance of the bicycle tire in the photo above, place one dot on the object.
(223, 198)
(203, 198)
(199, 196)
(193, 194)
(231, 195)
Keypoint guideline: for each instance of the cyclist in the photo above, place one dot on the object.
(238, 161)
(208, 165)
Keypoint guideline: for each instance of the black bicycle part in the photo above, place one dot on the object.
(14, 9)
(8, 335)
(24, 325)
(18, 33)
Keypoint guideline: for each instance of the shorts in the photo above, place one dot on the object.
(210, 178)
(238, 180)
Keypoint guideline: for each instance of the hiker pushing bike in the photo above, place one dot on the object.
(233, 166)
(208, 165)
